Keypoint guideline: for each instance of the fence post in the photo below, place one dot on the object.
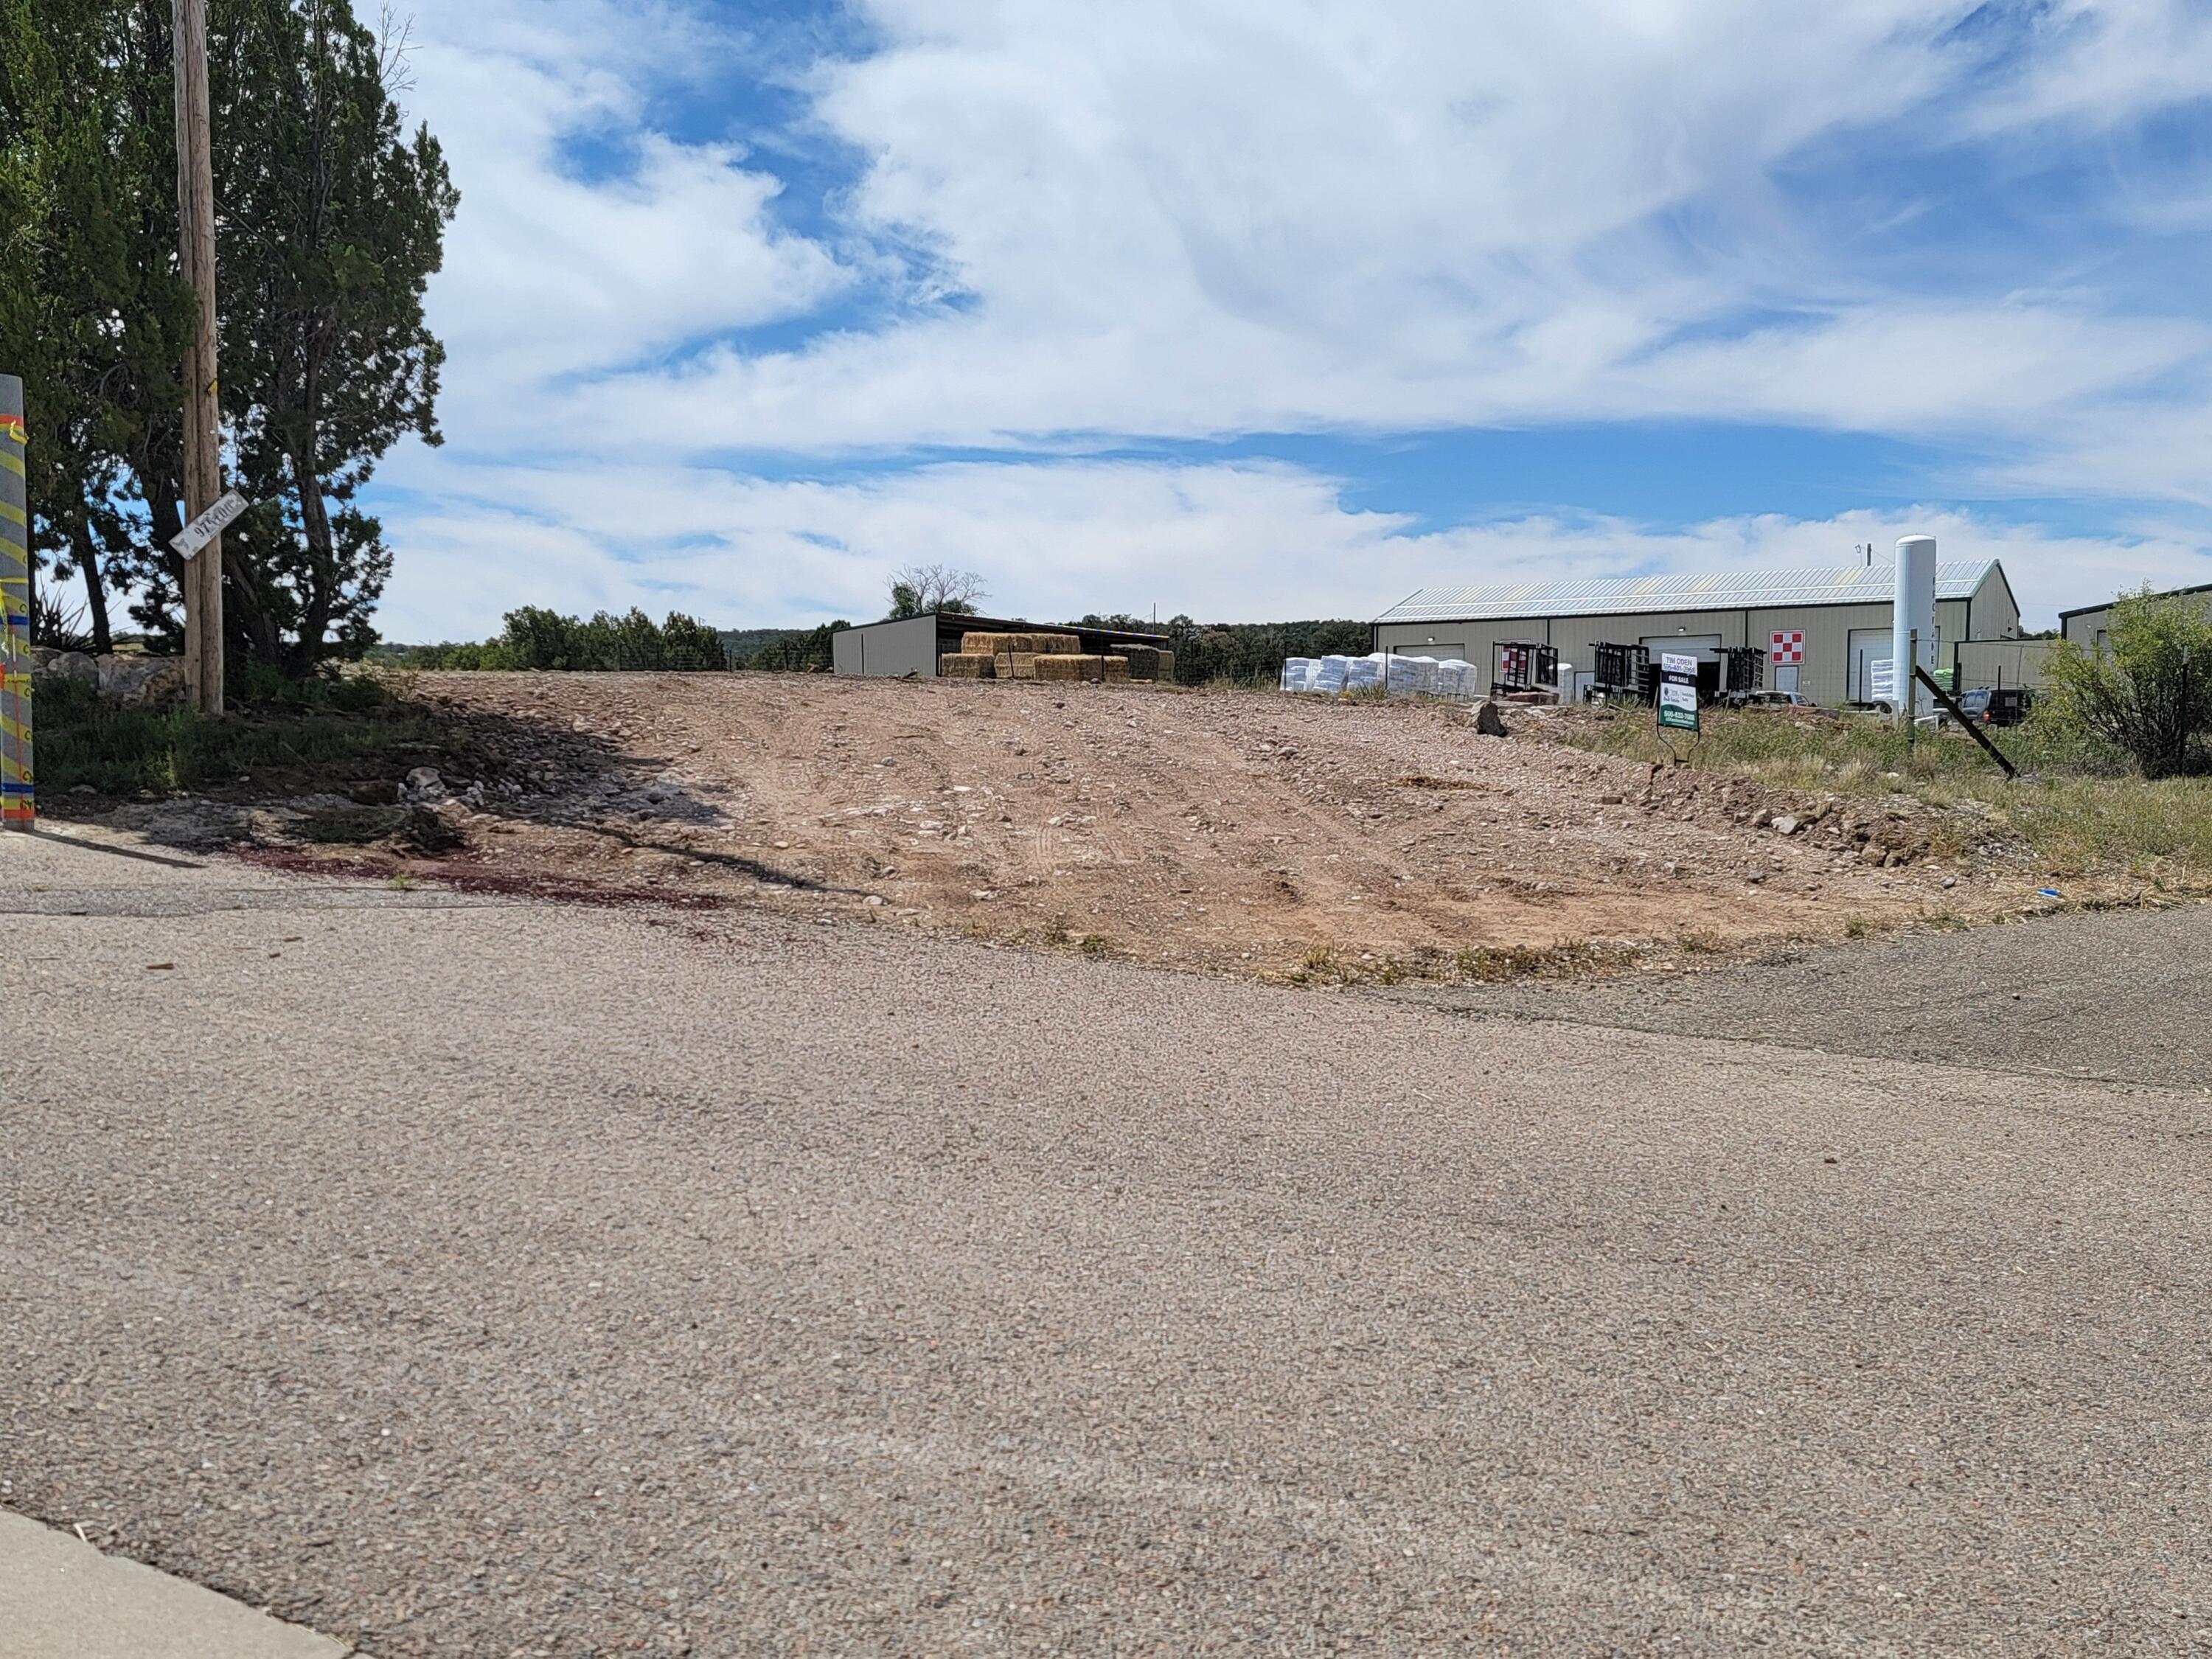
(18, 801)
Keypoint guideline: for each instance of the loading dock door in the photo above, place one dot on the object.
(1705, 648)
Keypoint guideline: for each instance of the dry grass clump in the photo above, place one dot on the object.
(2077, 803)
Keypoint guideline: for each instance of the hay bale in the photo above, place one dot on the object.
(1061, 666)
(996, 644)
(965, 665)
(1017, 665)
(1115, 668)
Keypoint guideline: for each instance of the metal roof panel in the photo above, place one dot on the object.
(1738, 590)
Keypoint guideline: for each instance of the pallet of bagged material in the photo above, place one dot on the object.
(1081, 666)
(965, 665)
(1036, 644)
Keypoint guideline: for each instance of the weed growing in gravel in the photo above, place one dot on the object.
(1490, 964)
(1095, 945)
(1323, 965)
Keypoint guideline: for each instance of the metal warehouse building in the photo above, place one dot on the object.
(2091, 625)
(909, 646)
(1842, 615)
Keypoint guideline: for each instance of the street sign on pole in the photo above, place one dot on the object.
(210, 525)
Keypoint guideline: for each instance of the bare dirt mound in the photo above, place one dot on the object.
(1230, 828)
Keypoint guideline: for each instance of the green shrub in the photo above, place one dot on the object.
(2147, 689)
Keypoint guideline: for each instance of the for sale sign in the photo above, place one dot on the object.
(1678, 692)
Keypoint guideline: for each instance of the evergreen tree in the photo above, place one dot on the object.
(331, 222)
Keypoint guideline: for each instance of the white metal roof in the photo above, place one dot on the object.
(1731, 590)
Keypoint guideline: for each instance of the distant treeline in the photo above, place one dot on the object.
(536, 638)
(1240, 653)
(1244, 652)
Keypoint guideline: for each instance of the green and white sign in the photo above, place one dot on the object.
(1678, 692)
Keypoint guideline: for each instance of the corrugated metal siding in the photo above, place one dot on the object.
(1825, 676)
(887, 649)
(1655, 595)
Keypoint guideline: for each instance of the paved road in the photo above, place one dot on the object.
(481, 1278)
(2123, 996)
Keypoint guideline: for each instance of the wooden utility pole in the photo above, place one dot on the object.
(203, 575)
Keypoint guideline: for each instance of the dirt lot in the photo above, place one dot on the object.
(1243, 830)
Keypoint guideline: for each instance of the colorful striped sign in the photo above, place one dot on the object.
(19, 800)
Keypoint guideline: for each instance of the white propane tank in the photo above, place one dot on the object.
(1915, 611)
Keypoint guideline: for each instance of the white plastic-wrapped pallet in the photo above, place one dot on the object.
(1402, 675)
(1363, 674)
(1455, 678)
(1424, 676)
(1298, 674)
(1328, 676)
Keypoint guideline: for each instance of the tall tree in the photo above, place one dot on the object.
(331, 222)
(918, 590)
(92, 312)
(335, 220)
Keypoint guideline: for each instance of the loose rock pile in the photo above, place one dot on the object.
(127, 679)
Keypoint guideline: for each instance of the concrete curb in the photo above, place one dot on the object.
(59, 1595)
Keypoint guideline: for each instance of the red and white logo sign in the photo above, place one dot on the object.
(1787, 648)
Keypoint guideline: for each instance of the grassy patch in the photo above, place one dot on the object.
(121, 750)
(2077, 802)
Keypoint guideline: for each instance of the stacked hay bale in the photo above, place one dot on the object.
(1050, 656)
(1083, 666)
(1150, 664)
(1014, 656)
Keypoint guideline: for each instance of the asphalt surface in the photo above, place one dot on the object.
(2123, 996)
(474, 1277)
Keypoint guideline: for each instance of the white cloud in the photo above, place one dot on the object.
(1174, 218)
(548, 276)
(1189, 219)
(1056, 539)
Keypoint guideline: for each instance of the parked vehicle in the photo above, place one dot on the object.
(2002, 706)
(1770, 700)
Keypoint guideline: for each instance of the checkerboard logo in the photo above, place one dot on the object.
(1788, 649)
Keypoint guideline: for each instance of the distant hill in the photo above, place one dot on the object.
(744, 644)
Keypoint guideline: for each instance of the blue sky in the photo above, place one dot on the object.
(1256, 308)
